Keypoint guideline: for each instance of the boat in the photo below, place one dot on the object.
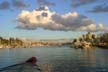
(28, 66)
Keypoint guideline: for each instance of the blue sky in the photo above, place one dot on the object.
(10, 9)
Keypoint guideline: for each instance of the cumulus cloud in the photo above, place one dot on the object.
(99, 9)
(38, 18)
(45, 3)
(4, 5)
(72, 20)
(44, 18)
(95, 28)
(77, 3)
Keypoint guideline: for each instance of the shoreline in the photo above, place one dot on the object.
(31, 46)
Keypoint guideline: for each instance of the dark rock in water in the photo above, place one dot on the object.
(32, 60)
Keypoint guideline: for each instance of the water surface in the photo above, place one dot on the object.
(59, 59)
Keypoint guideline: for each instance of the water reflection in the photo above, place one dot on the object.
(88, 55)
(94, 60)
(88, 60)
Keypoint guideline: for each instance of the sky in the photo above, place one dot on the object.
(52, 19)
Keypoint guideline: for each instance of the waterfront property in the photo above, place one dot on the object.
(91, 40)
(27, 43)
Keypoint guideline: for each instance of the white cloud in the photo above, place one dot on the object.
(72, 20)
(94, 28)
(37, 18)
(44, 18)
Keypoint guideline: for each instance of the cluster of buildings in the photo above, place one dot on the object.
(26, 43)
(91, 40)
(11, 42)
(86, 41)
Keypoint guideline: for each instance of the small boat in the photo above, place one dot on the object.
(27, 66)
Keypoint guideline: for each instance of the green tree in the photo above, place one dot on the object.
(104, 38)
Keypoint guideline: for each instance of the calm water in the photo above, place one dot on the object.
(59, 59)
